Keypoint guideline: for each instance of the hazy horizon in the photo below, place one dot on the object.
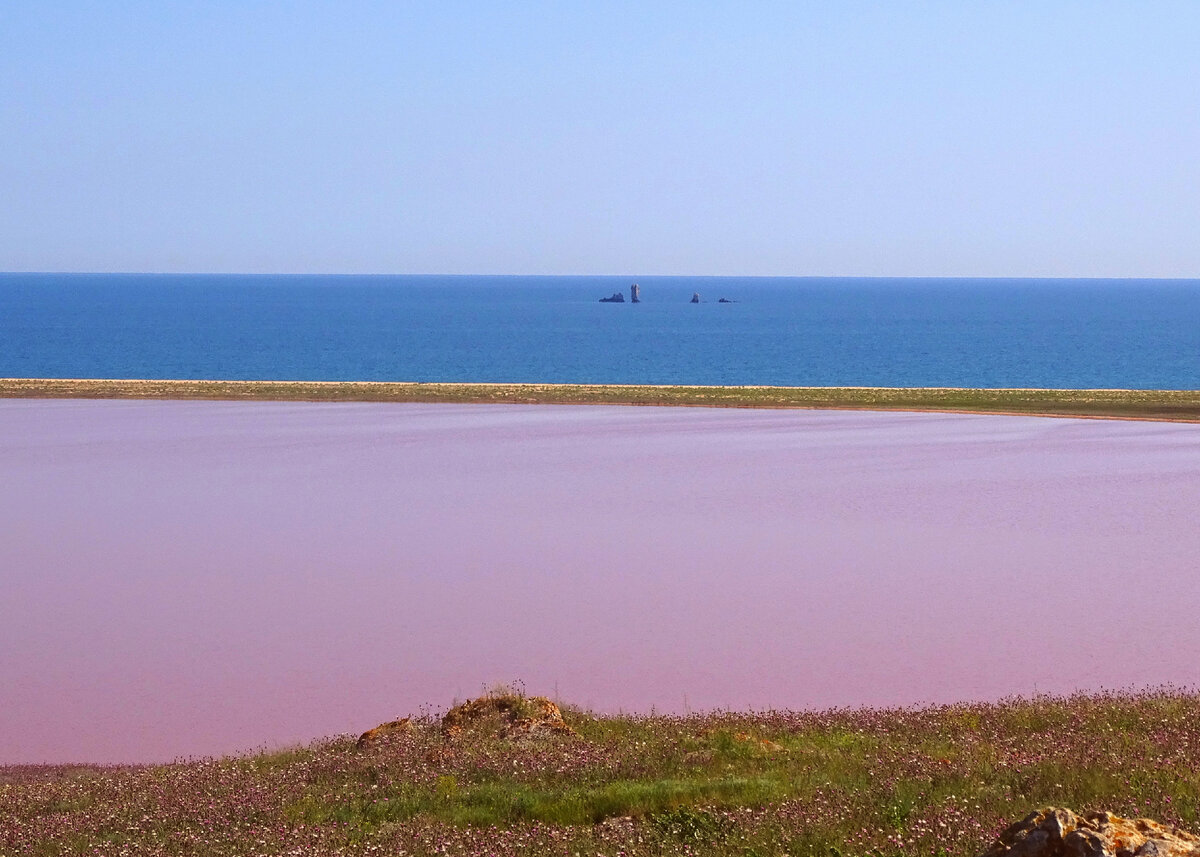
(598, 276)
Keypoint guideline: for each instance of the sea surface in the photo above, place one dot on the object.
(799, 331)
(195, 578)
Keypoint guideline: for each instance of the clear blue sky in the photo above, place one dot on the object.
(793, 138)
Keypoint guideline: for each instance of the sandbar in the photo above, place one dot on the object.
(1164, 405)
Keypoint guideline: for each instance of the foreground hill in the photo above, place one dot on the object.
(508, 775)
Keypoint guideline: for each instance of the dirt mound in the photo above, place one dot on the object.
(384, 731)
(508, 714)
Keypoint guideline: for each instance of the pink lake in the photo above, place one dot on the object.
(191, 578)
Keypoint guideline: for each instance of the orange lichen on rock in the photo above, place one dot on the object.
(385, 730)
(512, 715)
(1057, 832)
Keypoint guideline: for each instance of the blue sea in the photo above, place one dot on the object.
(787, 331)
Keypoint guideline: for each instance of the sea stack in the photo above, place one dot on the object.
(695, 297)
(615, 298)
(635, 293)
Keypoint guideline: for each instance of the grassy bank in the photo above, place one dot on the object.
(932, 781)
(1131, 404)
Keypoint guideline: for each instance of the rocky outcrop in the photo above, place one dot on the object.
(509, 714)
(635, 294)
(384, 731)
(1056, 832)
(695, 297)
(726, 301)
(614, 298)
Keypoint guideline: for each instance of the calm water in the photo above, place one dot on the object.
(196, 578)
(972, 333)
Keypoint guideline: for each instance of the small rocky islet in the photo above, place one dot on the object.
(635, 296)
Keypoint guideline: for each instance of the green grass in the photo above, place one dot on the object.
(1139, 404)
(854, 783)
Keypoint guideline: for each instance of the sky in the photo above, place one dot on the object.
(845, 138)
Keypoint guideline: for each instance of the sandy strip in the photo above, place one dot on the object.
(1156, 405)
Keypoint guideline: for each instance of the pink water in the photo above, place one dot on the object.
(184, 578)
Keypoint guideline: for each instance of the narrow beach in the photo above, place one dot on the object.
(1164, 405)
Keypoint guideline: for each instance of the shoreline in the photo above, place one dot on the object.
(1123, 404)
(933, 780)
(1132, 694)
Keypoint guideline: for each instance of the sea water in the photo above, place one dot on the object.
(797, 331)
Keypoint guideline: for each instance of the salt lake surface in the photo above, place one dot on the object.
(190, 578)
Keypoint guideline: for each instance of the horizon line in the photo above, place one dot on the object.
(606, 276)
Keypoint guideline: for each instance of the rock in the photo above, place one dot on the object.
(1057, 832)
(695, 297)
(508, 714)
(635, 294)
(726, 301)
(384, 731)
(615, 298)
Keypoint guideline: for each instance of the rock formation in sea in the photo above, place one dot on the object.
(1057, 832)
(615, 298)
(726, 301)
(695, 297)
(635, 294)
